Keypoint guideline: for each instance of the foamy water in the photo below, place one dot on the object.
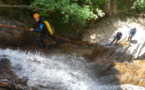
(57, 72)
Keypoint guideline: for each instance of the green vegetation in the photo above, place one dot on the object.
(139, 5)
(70, 16)
(79, 11)
(75, 11)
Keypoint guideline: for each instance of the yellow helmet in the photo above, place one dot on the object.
(36, 15)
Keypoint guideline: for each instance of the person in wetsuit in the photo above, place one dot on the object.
(132, 33)
(43, 32)
(117, 37)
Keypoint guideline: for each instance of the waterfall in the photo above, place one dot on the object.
(56, 72)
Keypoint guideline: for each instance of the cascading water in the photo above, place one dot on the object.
(56, 72)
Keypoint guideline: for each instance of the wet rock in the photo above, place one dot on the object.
(13, 36)
(5, 63)
(99, 50)
(131, 73)
(8, 79)
(6, 84)
(104, 66)
(109, 79)
(5, 71)
(22, 81)
(124, 73)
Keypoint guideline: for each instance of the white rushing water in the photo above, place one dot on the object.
(57, 72)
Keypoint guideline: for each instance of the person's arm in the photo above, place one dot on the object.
(134, 33)
(41, 26)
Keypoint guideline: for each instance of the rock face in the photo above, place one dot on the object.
(125, 73)
(122, 63)
(5, 71)
(13, 36)
(103, 33)
(132, 73)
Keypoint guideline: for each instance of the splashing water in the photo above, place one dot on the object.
(57, 72)
(60, 72)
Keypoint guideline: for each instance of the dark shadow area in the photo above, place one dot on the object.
(103, 66)
(133, 41)
(105, 59)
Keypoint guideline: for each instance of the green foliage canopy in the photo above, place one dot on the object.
(139, 5)
(79, 11)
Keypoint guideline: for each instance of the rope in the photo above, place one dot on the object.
(71, 40)
(14, 27)
(52, 35)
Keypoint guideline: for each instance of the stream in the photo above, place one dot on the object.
(57, 72)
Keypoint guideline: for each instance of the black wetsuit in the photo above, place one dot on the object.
(43, 34)
(117, 37)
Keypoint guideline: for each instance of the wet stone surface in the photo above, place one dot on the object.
(8, 79)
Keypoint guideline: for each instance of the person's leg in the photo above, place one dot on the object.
(43, 44)
(112, 41)
(40, 42)
(116, 41)
(131, 37)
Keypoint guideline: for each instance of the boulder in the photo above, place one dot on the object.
(8, 79)
(5, 71)
(13, 36)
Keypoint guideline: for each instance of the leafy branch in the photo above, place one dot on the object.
(22, 6)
